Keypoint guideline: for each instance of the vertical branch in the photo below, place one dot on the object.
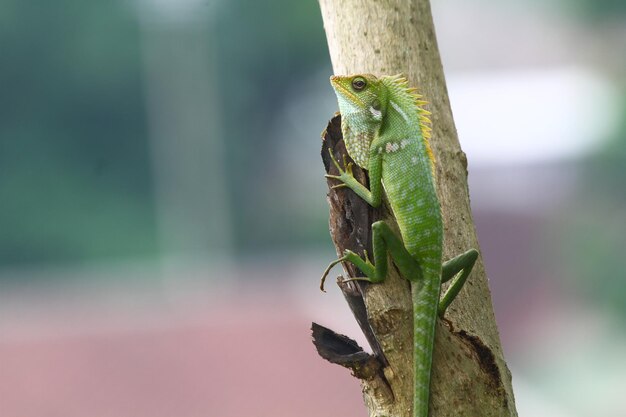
(470, 377)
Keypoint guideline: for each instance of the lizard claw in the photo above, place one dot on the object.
(327, 270)
(332, 157)
(336, 177)
(345, 173)
(367, 259)
(347, 166)
(366, 279)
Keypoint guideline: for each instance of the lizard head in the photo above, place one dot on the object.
(362, 105)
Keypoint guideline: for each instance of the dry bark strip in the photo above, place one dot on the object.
(470, 377)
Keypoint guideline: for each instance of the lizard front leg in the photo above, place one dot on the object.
(373, 196)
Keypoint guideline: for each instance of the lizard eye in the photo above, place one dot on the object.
(358, 84)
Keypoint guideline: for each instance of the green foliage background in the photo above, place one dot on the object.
(75, 174)
(74, 170)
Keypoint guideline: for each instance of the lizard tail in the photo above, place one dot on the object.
(425, 301)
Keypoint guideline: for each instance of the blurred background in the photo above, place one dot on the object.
(163, 221)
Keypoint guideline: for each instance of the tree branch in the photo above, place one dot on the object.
(470, 377)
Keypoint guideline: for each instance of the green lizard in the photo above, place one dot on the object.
(386, 131)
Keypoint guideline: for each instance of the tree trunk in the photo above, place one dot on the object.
(469, 377)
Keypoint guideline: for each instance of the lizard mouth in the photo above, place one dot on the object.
(337, 85)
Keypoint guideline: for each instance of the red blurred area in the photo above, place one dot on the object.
(242, 359)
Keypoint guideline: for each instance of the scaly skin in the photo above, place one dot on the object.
(386, 131)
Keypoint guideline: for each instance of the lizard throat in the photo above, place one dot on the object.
(358, 146)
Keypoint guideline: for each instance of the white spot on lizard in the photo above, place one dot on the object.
(391, 147)
(377, 114)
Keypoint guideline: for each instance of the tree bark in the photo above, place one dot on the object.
(470, 376)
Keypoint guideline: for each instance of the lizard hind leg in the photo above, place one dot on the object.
(384, 241)
(457, 269)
